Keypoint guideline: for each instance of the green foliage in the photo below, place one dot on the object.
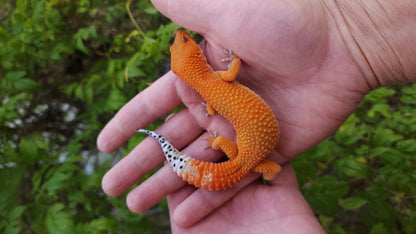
(363, 179)
(66, 67)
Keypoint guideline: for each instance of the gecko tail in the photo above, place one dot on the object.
(207, 175)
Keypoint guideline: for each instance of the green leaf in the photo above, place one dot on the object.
(26, 85)
(376, 192)
(408, 100)
(37, 179)
(10, 228)
(73, 148)
(304, 169)
(353, 203)
(82, 35)
(83, 6)
(378, 229)
(29, 149)
(151, 10)
(325, 221)
(379, 108)
(387, 155)
(379, 95)
(408, 146)
(116, 99)
(58, 221)
(349, 166)
(91, 181)
(59, 49)
(100, 225)
(324, 193)
(89, 93)
(133, 71)
(323, 152)
(79, 92)
(8, 109)
(17, 80)
(163, 204)
(16, 212)
(59, 178)
(15, 75)
(410, 90)
(398, 177)
(349, 133)
(384, 137)
(374, 152)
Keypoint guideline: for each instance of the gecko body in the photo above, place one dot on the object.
(255, 124)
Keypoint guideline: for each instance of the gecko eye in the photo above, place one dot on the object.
(185, 39)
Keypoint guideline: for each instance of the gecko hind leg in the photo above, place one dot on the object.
(230, 55)
(228, 146)
(268, 168)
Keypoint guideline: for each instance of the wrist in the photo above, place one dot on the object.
(380, 36)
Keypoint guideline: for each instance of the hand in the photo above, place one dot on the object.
(279, 207)
(294, 56)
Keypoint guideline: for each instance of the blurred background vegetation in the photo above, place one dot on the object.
(66, 67)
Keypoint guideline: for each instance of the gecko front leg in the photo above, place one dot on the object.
(210, 110)
(233, 67)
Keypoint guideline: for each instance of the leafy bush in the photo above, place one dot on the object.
(68, 66)
(363, 179)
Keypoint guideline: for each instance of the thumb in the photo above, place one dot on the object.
(197, 16)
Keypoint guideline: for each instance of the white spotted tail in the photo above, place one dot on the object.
(175, 158)
(207, 175)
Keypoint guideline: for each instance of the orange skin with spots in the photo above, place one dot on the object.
(255, 124)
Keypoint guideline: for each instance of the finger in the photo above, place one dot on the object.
(165, 180)
(146, 107)
(193, 16)
(147, 155)
(193, 207)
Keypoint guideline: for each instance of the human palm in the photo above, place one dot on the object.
(279, 207)
(296, 61)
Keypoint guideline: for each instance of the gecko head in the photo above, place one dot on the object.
(182, 49)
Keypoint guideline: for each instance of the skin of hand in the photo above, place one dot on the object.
(256, 208)
(300, 56)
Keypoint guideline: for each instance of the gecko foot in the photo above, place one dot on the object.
(208, 108)
(229, 58)
(205, 108)
(210, 139)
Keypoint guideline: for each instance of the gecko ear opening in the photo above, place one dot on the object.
(185, 39)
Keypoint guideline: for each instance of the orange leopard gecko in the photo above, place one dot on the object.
(256, 127)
